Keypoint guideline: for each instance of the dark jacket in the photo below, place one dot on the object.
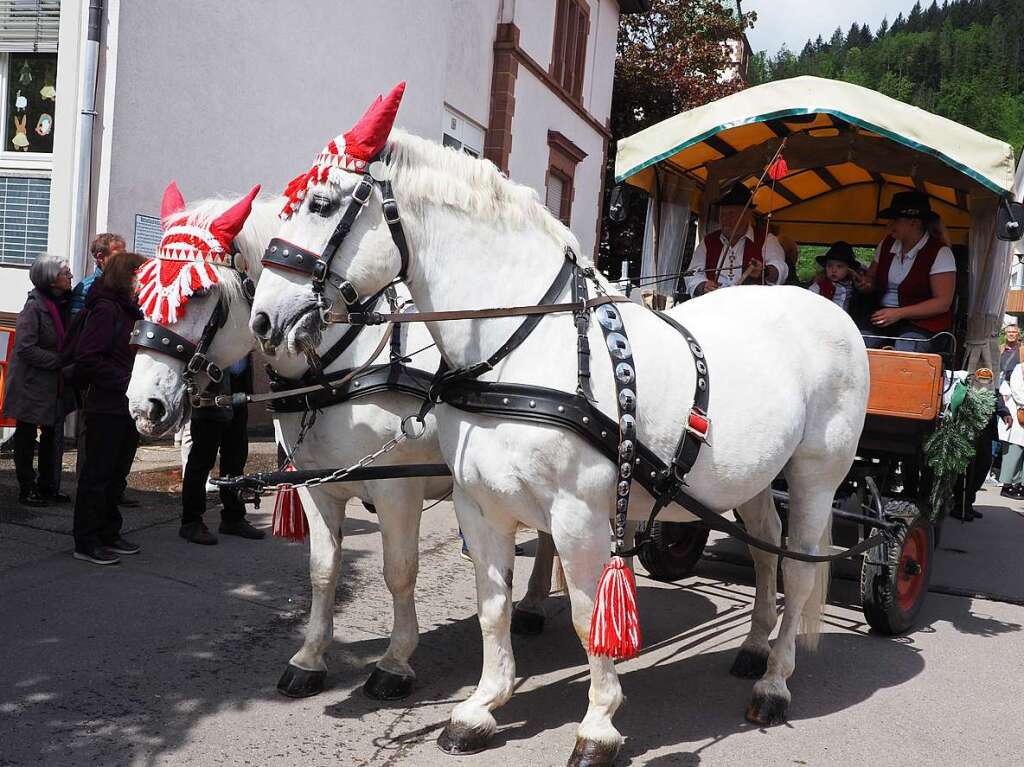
(34, 390)
(103, 358)
(1008, 360)
(230, 384)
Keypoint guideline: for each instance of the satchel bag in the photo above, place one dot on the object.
(1020, 416)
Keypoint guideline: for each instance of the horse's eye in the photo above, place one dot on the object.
(321, 204)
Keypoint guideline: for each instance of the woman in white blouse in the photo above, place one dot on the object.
(913, 276)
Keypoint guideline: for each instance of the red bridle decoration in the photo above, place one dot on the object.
(187, 255)
(351, 152)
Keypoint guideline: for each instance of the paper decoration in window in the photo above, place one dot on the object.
(20, 139)
(20, 102)
(44, 125)
(25, 76)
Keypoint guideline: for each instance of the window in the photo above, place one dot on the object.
(563, 159)
(24, 218)
(558, 197)
(460, 132)
(30, 101)
(568, 59)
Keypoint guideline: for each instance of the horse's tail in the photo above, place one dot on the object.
(810, 618)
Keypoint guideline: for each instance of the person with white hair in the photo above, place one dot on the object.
(35, 395)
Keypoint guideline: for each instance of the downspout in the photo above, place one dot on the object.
(83, 151)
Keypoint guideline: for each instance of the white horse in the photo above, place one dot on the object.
(787, 394)
(342, 434)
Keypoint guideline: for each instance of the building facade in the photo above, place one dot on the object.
(219, 96)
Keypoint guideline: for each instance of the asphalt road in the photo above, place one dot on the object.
(172, 659)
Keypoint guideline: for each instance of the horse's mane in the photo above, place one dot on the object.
(259, 228)
(427, 173)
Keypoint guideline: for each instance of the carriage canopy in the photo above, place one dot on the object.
(849, 149)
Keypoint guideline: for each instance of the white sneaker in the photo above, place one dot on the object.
(211, 488)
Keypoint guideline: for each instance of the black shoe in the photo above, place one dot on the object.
(57, 497)
(98, 555)
(1009, 491)
(242, 529)
(123, 546)
(963, 516)
(197, 532)
(128, 502)
(32, 498)
(976, 514)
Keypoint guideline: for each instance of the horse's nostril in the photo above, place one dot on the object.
(157, 410)
(261, 324)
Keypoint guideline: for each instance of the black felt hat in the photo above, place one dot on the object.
(737, 194)
(910, 205)
(840, 251)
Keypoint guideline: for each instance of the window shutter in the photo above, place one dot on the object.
(29, 26)
(555, 192)
(24, 219)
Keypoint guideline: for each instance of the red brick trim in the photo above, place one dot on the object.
(498, 140)
(562, 161)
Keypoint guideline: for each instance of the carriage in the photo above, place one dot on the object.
(844, 151)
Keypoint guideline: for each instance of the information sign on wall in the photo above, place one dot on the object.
(147, 235)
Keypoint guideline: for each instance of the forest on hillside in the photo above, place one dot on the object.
(963, 59)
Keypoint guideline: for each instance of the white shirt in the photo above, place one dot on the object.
(900, 267)
(731, 262)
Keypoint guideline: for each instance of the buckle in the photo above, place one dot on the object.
(698, 424)
(348, 293)
(214, 372)
(391, 214)
(320, 270)
(367, 189)
(198, 363)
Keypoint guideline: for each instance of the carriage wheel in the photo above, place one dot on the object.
(674, 550)
(892, 593)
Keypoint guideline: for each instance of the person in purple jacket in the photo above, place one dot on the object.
(103, 363)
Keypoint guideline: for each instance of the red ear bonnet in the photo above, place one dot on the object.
(352, 151)
(188, 256)
(172, 203)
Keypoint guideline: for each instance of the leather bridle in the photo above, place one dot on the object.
(286, 256)
(161, 339)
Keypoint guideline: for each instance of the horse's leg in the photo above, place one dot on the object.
(399, 505)
(307, 670)
(762, 521)
(583, 540)
(810, 520)
(493, 551)
(528, 616)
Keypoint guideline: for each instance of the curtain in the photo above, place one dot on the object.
(990, 262)
(660, 278)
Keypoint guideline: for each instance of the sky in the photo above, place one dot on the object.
(793, 21)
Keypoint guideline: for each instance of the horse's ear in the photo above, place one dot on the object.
(230, 222)
(369, 135)
(172, 203)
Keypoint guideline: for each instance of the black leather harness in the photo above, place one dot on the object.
(460, 388)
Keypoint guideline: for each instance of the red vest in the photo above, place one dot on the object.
(826, 288)
(752, 250)
(916, 286)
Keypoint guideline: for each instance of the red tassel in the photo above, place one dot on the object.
(289, 517)
(615, 625)
(779, 169)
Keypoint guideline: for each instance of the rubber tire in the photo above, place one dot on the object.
(674, 550)
(878, 588)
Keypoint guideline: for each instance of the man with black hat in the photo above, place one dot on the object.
(913, 277)
(736, 253)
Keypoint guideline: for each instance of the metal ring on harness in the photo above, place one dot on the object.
(411, 432)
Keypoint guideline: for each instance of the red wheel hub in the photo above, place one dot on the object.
(910, 575)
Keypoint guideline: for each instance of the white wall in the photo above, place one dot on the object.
(222, 96)
(470, 58)
(538, 110)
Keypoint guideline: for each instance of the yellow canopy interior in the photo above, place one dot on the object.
(849, 150)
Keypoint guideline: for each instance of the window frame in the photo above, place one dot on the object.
(10, 159)
(472, 145)
(563, 158)
(569, 58)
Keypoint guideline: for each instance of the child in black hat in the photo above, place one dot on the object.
(836, 282)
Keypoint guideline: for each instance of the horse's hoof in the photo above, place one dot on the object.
(526, 623)
(767, 710)
(749, 665)
(296, 682)
(592, 753)
(460, 740)
(383, 685)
